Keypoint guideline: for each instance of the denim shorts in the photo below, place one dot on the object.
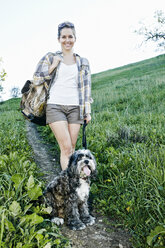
(69, 113)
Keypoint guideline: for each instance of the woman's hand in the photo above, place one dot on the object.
(88, 118)
(56, 60)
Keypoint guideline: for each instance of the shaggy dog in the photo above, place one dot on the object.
(68, 193)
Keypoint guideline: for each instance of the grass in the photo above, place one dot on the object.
(128, 125)
(24, 222)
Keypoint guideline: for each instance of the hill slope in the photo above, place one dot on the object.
(127, 135)
(147, 67)
(130, 85)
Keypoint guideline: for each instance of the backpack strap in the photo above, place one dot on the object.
(51, 81)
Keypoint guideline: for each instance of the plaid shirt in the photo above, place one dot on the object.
(84, 79)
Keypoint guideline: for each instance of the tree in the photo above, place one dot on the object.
(2, 76)
(15, 92)
(156, 31)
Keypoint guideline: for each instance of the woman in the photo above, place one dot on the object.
(68, 104)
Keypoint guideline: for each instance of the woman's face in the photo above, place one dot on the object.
(67, 39)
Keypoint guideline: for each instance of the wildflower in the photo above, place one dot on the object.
(128, 209)
(108, 180)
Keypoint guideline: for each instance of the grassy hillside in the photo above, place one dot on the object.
(127, 137)
(129, 83)
(147, 67)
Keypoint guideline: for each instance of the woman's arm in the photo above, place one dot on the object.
(45, 68)
(88, 99)
(88, 118)
(56, 60)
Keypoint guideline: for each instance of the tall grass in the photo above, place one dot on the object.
(128, 127)
(24, 221)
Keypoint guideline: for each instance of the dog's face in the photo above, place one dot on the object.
(83, 163)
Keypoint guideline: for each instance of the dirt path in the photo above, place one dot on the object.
(103, 234)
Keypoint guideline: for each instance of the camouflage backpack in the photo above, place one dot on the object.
(33, 101)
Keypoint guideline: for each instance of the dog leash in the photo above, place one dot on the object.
(84, 141)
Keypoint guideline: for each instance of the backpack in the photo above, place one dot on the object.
(33, 101)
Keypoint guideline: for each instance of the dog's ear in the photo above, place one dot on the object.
(72, 165)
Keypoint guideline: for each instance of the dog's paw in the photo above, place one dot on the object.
(58, 221)
(89, 221)
(77, 226)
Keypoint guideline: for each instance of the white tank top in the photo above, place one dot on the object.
(64, 90)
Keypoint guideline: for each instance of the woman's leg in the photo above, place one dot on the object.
(63, 137)
(74, 131)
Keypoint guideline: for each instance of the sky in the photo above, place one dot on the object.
(104, 31)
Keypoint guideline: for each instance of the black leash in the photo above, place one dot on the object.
(84, 141)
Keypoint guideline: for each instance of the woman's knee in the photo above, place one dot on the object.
(73, 147)
(66, 149)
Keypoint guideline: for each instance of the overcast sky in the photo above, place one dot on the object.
(104, 28)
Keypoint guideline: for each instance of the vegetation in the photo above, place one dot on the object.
(127, 137)
(24, 222)
(2, 76)
(15, 92)
(154, 32)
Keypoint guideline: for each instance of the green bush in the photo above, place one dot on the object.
(24, 220)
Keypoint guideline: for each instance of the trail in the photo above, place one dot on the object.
(104, 233)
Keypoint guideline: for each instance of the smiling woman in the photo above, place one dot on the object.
(67, 39)
(68, 104)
